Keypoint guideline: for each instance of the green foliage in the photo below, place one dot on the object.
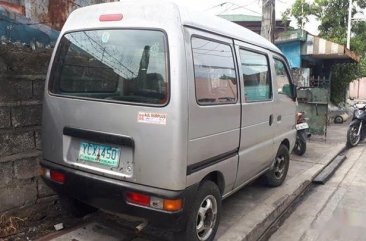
(333, 17)
(342, 75)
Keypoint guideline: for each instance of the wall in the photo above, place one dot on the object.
(292, 51)
(50, 12)
(357, 89)
(22, 75)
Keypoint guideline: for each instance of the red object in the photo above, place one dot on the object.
(57, 176)
(138, 198)
(13, 7)
(110, 17)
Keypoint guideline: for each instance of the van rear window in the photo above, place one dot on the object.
(117, 65)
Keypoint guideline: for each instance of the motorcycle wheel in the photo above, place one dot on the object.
(300, 145)
(352, 138)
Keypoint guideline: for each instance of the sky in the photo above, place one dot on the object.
(248, 7)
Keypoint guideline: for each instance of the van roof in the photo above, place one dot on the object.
(165, 13)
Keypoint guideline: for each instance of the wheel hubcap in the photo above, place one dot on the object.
(206, 218)
(279, 167)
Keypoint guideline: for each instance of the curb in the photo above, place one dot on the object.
(255, 224)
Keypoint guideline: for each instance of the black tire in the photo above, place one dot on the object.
(75, 207)
(338, 120)
(207, 190)
(352, 139)
(300, 145)
(277, 174)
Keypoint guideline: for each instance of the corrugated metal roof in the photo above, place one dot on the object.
(316, 47)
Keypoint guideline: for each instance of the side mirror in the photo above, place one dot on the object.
(294, 92)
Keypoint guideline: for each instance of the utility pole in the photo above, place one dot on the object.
(268, 19)
(349, 25)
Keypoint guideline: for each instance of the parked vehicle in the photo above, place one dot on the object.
(357, 130)
(163, 115)
(302, 134)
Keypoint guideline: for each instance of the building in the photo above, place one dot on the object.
(254, 23)
(357, 89)
(312, 57)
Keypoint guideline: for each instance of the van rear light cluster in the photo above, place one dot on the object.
(110, 17)
(170, 205)
(53, 175)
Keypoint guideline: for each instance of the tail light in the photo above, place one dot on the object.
(139, 199)
(170, 205)
(57, 176)
(53, 175)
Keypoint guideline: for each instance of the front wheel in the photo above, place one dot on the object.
(353, 138)
(203, 220)
(275, 176)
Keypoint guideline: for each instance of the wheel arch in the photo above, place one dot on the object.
(286, 143)
(216, 177)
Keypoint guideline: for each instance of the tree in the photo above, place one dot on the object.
(333, 17)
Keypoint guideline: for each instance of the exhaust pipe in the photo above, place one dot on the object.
(141, 226)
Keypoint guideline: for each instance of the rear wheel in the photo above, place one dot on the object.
(277, 174)
(75, 207)
(352, 134)
(203, 219)
(300, 144)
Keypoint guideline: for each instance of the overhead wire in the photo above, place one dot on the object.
(234, 6)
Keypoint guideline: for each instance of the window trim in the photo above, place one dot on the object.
(269, 73)
(235, 69)
(287, 72)
(50, 79)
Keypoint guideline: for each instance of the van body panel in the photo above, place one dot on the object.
(257, 148)
(284, 109)
(256, 145)
(226, 167)
(166, 156)
(162, 160)
(218, 144)
(214, 129)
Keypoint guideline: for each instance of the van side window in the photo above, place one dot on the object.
(282, 78)
(214, 72)
(256, 75)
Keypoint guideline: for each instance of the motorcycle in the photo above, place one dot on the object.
(357, 128)
(302, 134)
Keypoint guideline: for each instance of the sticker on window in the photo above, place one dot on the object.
(152, 118)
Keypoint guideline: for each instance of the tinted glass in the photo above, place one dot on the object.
(214, 72)
(257, 81)
(121, 65)
(282, 78)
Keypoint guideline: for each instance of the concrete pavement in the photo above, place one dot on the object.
(334, 211)
(246, 214)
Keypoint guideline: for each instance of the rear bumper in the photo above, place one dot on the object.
(109, 194)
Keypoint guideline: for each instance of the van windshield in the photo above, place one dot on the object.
(117, 65)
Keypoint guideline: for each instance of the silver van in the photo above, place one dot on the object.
(154, 111)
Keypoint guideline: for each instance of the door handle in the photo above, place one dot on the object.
(270, 120)
(279, 118)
